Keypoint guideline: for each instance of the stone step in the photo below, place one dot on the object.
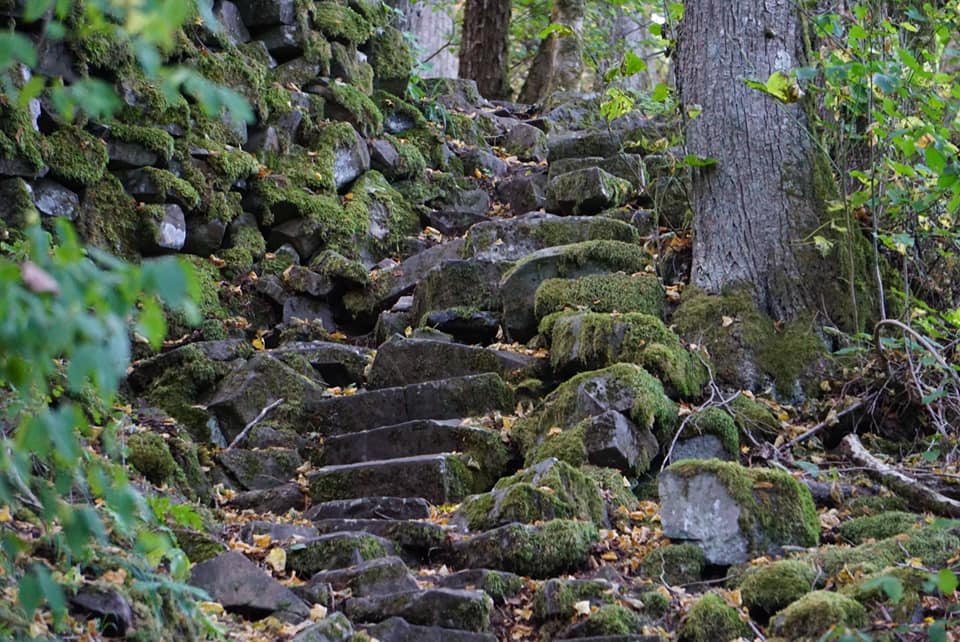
(336, 550)
(397, 629)
(483, 448)
(446, 608)
(371, 508)
(401, 361)
(379, 576)
(440, 479)
(417, 539)
(454, 397)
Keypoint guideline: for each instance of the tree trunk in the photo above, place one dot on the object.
(755, 210)
(558, 64)
(434, 30)
(483, 54)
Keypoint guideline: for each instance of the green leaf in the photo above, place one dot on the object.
(35, 9)
(891, 586)
(15, 47)
(632, 64)
(152, 324)
(699, 161)
(778, 85)
(561, 30)
(660, 93)
(937, 632)
(947, 581)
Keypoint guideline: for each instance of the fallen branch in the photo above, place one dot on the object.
(910, 489)
(256, 420)
(831, 420)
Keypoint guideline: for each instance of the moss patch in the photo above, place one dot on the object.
(150, 455)
(610, 619)
(390, 56)
(674, 564)
(109, 218)
(75, 156)
(816, 613)
(601, 293)
(716, 422)
(768, 589)
(711, 619)
(152, 138)
(880, 526)
(341, 23)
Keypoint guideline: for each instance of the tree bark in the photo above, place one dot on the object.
(756, 208)
(483, 54)
(558, 64)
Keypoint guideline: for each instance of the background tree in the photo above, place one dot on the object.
(483, 53)
(558, 65)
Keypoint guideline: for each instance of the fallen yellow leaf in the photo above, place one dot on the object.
(277, 559)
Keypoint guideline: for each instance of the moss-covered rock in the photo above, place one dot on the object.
(589, 341)
(711, 619)
(614, 488)
(75, 157)
(874, 504)
(389, 217)
(771, 588)
(609, 619)
(391, 58)
(346, 102)
(754, 417)
(153, 139)
(734, 512)
(869, 590)
(149, 454)
(626, 388)
(715, 421)
(752, 348)
(817, 613)
(550, 490)
(601, 293)
(555, 598)
(350, 67)
(674, 564)
(337, 550)
(198, 546)
(341, 23)
(880, 526)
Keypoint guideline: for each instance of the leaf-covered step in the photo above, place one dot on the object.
(397, 629)
(371, 508)
(372, 577)
(447, 608)
(415, 538)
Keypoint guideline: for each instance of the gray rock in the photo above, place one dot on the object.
(700, 447)
(299, 234)
(526, 142)
(204, 237)
(512, 239)
(244, 588)
(265, 13)
(454, 397)
(393, 365)
(277, 500)
(305, 308)
(629, 167)
(230, 21)
(53, 199)
(373, 577)
(20, 167)
(518, 286)
(336, 363)
(525, 192)
(278, 532)
(465, 325)
(166, 234)
(384, 157)
(418, 540)
(452, 222)
(447, 608)
(260, 469)
(335, 550)
(350, 162)
(266, 139)
(107, 605)
(703, 502)
(397, 629)
(613, 441)
(371, 508)
(147, 186)
(455, 93)
(479, 160)
(284, 42)
(440, 479)
(497, 584)
(470, 284)
(333, 628)
(254, 385)
(126, 155)
(306, 281)
(299, 72)
(580, 144)
(586, 191)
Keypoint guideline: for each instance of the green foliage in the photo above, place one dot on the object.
(65, 320)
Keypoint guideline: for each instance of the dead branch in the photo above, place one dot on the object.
(907, 487)
(831, 420)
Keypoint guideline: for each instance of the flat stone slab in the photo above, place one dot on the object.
(446, 608)
(371, 508)
(415, 538)
(336, 363)
(455, 397)
(401, 361)
(374, 577)
(440, 479)
(335, 550)
(397, 629)
(243, 587)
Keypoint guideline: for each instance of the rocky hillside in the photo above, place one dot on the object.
(435, 395)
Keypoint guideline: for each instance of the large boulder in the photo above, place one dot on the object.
(587, 191)
(734, 513)
(601, 293)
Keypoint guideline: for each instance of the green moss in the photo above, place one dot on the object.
(782, 355)
(18, 201)
(152, 138)
(76, 156)
(583, 341)
(610, 619)
(869, 591)
(463, 128)
(771, 500)
(714, 421)
(372, 192)
(341, 23)
(816, 613)
(432, 145)
(149, 104)
(710, 619)
(150, 455)
(109, 218)
(170, 186)
(873, 504)
(655, 604)
(198, 546)
(613, 487)
(752, 416)
(393, 106)
(881, 526)
(500, 586)
(768, 589)
(18, 138)
(337, 551)
(232, 165)
(601, 293)
(352, 69)
(362, 111)
(411, 163)
(674, 564)
(557, 547)
(239, 67)
(390, 55)
(651, 408)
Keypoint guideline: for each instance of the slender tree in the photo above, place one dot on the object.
(558, 64)
(483, 54)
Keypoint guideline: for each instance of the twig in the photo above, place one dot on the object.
(922, 340)
(829, 421)
(256, 420)
(923, 496)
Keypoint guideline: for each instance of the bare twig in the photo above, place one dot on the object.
(909, 488)
(256, 420)
(829, 421)
(922, 340)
